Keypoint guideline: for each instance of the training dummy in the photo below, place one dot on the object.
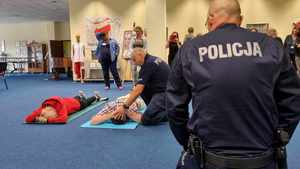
(133, 113)
(57, 109)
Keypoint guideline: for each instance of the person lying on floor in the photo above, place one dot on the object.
(107, 113)
(151, 87)
(56, 109)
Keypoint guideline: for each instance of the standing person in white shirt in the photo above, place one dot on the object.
(78, 57)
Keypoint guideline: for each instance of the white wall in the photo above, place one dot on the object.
(38, 31)
(182, 14)
(62, 31)
(278, 13)
(156, 23)
(13, 32)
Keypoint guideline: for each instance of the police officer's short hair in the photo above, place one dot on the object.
(139, 50)
(231, 7)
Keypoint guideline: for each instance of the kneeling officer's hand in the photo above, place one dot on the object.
(119, 114)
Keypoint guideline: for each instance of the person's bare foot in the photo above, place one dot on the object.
(97, 95)
(81, 94)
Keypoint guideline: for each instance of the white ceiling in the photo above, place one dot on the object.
(33, 10)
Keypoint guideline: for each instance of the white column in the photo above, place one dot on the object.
(156, 22)
(51, 36)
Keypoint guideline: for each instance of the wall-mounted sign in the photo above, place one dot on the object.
(94, 23)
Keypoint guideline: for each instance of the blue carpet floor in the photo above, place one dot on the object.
(71, 147)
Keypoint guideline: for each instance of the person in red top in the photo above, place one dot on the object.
(56, 109)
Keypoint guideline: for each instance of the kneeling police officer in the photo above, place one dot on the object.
(151, 86)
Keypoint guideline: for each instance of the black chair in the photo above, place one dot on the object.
(3, 67)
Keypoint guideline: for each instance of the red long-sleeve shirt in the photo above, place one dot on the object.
(63, 107)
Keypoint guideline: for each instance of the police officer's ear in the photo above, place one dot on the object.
(241, 18)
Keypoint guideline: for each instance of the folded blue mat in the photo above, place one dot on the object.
(109, 125)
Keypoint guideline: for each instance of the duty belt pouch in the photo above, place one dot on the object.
(280, 150)
(197, 149)
(281, 158)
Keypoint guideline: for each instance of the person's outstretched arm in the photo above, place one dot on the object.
(100, 118)
(31, 118)
(105, 114)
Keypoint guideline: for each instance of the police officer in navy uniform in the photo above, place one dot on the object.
(242, 89)
(151, 86)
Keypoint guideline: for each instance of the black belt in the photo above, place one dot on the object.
(203, 157)
(239, 162)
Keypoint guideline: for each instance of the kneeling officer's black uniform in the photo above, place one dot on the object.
(154, 75)
(242, 88)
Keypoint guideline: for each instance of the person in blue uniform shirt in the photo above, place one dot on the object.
(151, 86)
(242, 89)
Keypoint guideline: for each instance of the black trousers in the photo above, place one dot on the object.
(293, 60)
(107, 65)
(170, 59)
(85, 102)
(156, 110)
